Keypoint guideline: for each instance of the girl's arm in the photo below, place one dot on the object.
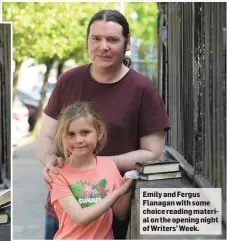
(122, 206)
(84, 216)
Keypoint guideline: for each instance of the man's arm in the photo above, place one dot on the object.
(45, 149)
(151, 148)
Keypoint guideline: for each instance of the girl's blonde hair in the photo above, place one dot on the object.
(72, 112)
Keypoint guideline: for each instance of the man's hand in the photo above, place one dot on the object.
(51, 166)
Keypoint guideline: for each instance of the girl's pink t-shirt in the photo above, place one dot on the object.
(88, 187)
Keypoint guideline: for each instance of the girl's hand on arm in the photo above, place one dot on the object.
(126, 185)
(122, 206)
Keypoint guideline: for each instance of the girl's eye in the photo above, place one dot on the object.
(70, 133)
(84, 132)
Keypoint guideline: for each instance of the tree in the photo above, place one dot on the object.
(49, 32)
(56, 31)
(143, 22)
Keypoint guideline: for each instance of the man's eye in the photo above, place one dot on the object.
(96, 38)
(113, 39)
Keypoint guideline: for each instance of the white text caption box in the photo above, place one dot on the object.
(180, 211)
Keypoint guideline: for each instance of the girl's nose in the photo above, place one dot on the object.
(79, 139)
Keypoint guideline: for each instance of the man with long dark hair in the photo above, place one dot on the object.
(128, 102)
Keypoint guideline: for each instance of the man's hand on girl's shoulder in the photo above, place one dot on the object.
(53, 162)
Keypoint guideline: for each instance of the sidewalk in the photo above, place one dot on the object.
(29, 194)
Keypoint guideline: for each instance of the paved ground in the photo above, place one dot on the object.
(29, 194)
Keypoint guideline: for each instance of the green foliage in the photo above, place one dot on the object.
(49, 30)
(144, 23)
(57, 30)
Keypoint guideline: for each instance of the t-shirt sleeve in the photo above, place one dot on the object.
(53, 107)
(60, 188)
(117, 177)
(153, 116)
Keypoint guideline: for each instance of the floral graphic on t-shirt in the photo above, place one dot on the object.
(87, 194)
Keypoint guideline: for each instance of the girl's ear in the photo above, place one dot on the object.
(100, 135)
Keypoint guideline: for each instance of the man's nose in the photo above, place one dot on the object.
(104, 45)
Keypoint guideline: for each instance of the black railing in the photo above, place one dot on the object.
(192, 82)
(5, 101)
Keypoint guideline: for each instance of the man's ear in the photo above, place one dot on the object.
(128, 43)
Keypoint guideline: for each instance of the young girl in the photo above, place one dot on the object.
(88, 188)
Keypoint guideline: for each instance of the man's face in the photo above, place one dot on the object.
(106, 44)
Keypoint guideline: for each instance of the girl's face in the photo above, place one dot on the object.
(81, 138)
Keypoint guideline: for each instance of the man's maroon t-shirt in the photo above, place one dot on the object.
(131, 108)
